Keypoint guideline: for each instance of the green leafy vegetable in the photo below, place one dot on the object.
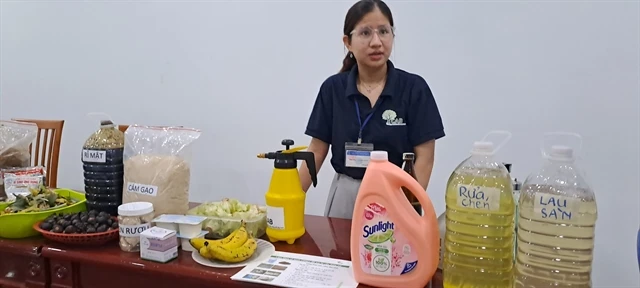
(39, 199)
(225, 216)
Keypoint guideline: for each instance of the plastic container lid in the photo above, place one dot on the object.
(482, 148)
(106, 124)
(379, 155)
(135, 209)
(561, 153)
(408, 155)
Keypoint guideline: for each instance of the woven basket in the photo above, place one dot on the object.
(93, 239)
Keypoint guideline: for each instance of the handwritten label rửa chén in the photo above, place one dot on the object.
(478, 197)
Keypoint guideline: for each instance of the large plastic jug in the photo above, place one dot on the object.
(480, 224)
(556, 222)
(391, 244)
(102, 156)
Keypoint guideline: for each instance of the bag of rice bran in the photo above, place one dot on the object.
(157, 167)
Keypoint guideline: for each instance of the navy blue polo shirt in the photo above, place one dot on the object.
(404, 116)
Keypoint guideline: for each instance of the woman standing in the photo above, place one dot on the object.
(370, 105)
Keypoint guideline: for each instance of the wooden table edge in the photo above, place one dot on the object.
(79, 257)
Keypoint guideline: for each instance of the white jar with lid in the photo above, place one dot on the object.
(133, 219)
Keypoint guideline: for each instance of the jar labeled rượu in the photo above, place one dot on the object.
(134, 218)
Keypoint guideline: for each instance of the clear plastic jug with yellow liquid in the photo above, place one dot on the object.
(557, 221)
(479, 233)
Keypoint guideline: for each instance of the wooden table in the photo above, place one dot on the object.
(21, 264)
(108, 266)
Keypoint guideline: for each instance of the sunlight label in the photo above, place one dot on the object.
(478, 197)
(554, 207)
(383, 249)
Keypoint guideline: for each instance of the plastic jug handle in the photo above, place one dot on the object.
(418, 191)
(549, 135)
(507, 137)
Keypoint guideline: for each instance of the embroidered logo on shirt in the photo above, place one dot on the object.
(391, 117)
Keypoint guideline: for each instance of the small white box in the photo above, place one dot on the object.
(188, 226)
(169, 226)
(158, 244)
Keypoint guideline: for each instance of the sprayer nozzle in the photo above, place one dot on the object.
(262, 155)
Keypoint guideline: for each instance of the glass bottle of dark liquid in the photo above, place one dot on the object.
(407, 166)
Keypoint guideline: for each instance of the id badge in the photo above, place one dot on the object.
(357, 155)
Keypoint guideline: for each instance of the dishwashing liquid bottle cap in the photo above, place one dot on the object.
(379, 156)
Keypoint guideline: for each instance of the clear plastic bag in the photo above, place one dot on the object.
(157, 167)
(15, 138)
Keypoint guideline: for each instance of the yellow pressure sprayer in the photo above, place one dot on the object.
(285, 197)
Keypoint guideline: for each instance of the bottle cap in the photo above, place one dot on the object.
(408, 156)
(106, 123)
(482, 148)
(135, 209)
(517, 185)
(561, 153)
(379, 155)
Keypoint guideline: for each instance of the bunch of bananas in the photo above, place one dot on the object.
(237, 247)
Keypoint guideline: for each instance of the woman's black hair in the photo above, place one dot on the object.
(354, 16)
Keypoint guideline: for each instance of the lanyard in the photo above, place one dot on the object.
(362, 124)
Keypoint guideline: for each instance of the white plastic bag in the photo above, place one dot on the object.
(15, 138)
(157, 167)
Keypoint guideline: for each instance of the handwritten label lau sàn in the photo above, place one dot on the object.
(554, 207)
(94, 156)
(478, 197)
(143, 189)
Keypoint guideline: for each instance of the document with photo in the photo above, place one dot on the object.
(293, 270)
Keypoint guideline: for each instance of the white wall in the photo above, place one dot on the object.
(232, 70)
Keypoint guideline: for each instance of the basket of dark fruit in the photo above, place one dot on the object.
(84, 228)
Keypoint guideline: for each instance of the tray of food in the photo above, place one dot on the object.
(18, 216)
(82, 228)
(226, 216)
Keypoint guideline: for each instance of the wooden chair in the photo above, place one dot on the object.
(123, 128)
(47, 152)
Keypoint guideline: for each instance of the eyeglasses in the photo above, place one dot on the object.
(365, 34)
